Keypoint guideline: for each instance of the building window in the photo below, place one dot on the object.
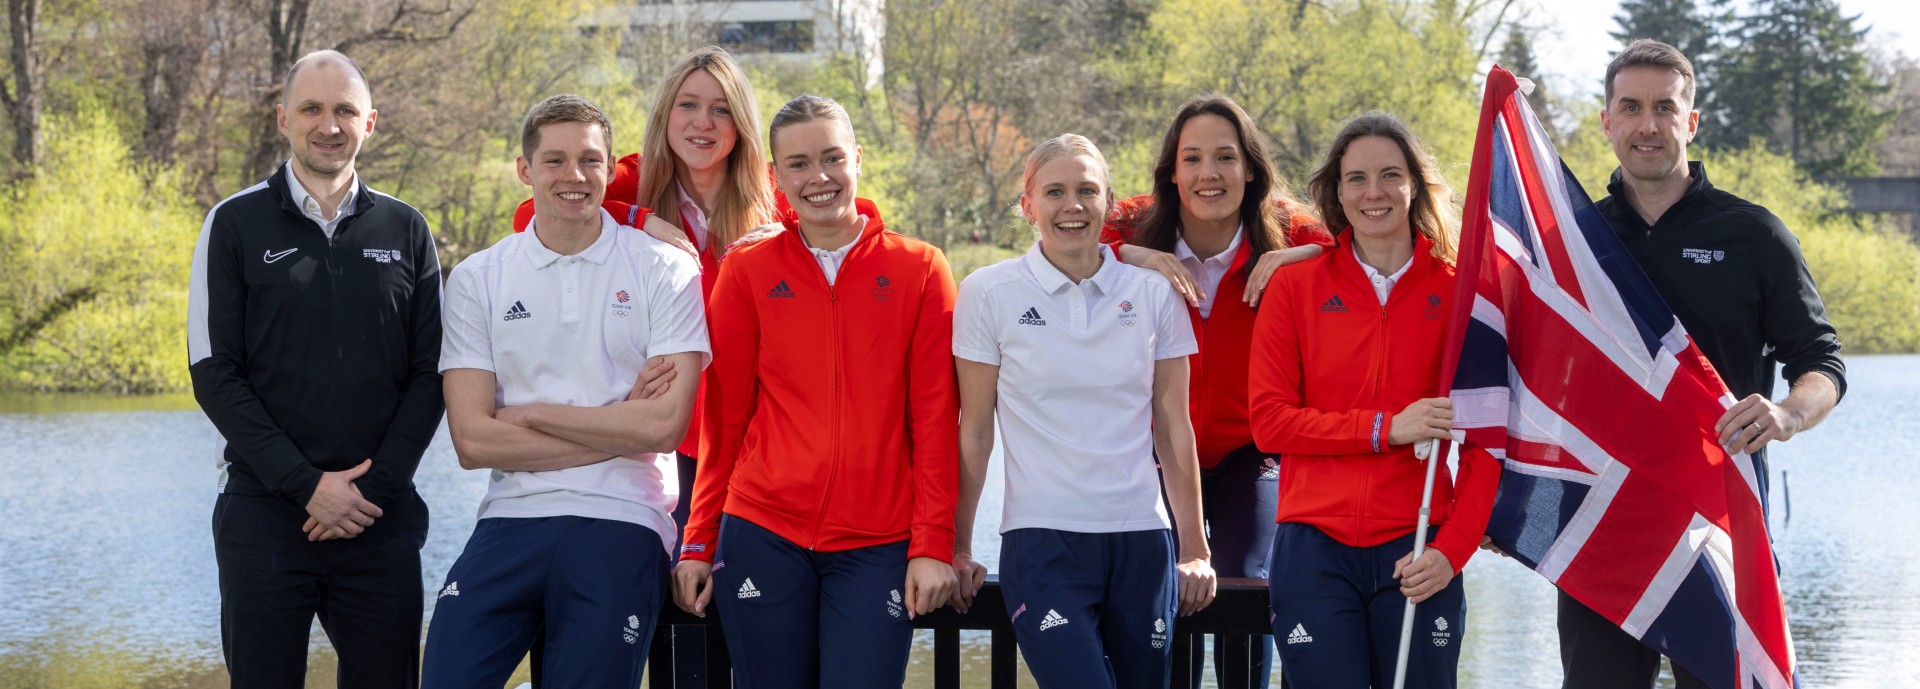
(767, 37)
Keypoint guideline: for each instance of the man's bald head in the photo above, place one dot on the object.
(333, 58)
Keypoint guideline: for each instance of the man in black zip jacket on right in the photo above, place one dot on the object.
(313, 335)
(1733, 275)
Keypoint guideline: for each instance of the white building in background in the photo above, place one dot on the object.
(793, 30)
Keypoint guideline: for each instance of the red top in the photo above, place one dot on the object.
(1330, 368)
(1217, 389)
(832, 413)
(625, 184)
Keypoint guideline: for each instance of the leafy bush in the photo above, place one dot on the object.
(96, 250)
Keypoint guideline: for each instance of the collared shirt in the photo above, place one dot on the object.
(694, 218)
(576, 330)
(1208, 271)
(830, 259)
(1382, 284)
(1075, 387)
(311, 207)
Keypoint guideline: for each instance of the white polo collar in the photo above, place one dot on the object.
(1053, 281)
(1183, 252)
(595, 253)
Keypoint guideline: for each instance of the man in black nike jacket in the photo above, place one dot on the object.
(314, 342)
(1734, 276)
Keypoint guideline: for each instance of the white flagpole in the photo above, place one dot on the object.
(1424, 451)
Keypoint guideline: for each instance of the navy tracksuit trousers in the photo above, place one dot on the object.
(592, 588)
(803, 619)
(1091, 610)
(1337, 612)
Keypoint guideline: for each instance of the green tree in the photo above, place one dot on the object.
(1801, 80)
(93, 301)
(1696, 29)
(1517, 57)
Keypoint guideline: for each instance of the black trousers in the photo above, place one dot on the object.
(1596, 654)
(273, 582)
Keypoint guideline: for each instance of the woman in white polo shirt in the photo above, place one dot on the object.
(1076, 353)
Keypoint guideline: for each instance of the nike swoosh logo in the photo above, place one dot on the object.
(271, 257)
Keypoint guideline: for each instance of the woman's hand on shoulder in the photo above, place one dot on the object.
(666, 232)
(757, 235)
(1165, 264)
(1270, 263)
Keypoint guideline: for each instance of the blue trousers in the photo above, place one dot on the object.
(1337, 612)
(1091, 610)
(591, 587)
(1239, 497)
(803, 619)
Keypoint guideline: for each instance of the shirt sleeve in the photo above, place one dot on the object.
(678, 313)
(417, 416)
(732, 384)
(217, 355)
(1473, 493)
(1174, 329)
(1794, 319)
(976, 337)
(466, 339)
(933, 417)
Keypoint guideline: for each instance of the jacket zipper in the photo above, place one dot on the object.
(833, 448)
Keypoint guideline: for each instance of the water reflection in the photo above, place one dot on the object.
(106, 560)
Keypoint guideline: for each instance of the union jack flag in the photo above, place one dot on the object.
(1576, 375)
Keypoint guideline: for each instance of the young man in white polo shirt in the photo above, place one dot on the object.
(546, 332)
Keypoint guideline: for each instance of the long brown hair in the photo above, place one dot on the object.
(1431, 209)
(745, 201)
(1263, 222)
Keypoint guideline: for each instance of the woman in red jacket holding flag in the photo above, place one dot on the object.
(1345, 364)
(822, 519)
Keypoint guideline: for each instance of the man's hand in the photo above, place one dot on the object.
(1427, 418)
(1165, 264)
(653, 381)
(336, 504)
(1197, 585)
(666, 232)
(693, 586)
(930, 583)
(1420, 579)
(1269, 263)
(1753, 422)
(969, 576)
(1486, 543)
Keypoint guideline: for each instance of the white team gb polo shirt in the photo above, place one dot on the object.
(1075, 387)
(577, 330)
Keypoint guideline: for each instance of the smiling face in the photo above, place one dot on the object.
(1066, 200)
(568, 172)
(1211, 172)
(328, 113)
(700, 127)
(817, 165)
(1650, 123)
(1376, 188)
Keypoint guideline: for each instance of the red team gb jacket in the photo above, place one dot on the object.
(832, 412)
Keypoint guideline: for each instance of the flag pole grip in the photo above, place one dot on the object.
(1425, 450)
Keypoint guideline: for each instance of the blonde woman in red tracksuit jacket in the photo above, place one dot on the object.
(1221, 220)
(822, 519)
(1345, 364)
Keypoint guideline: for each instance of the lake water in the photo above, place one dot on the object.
(107, 576)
